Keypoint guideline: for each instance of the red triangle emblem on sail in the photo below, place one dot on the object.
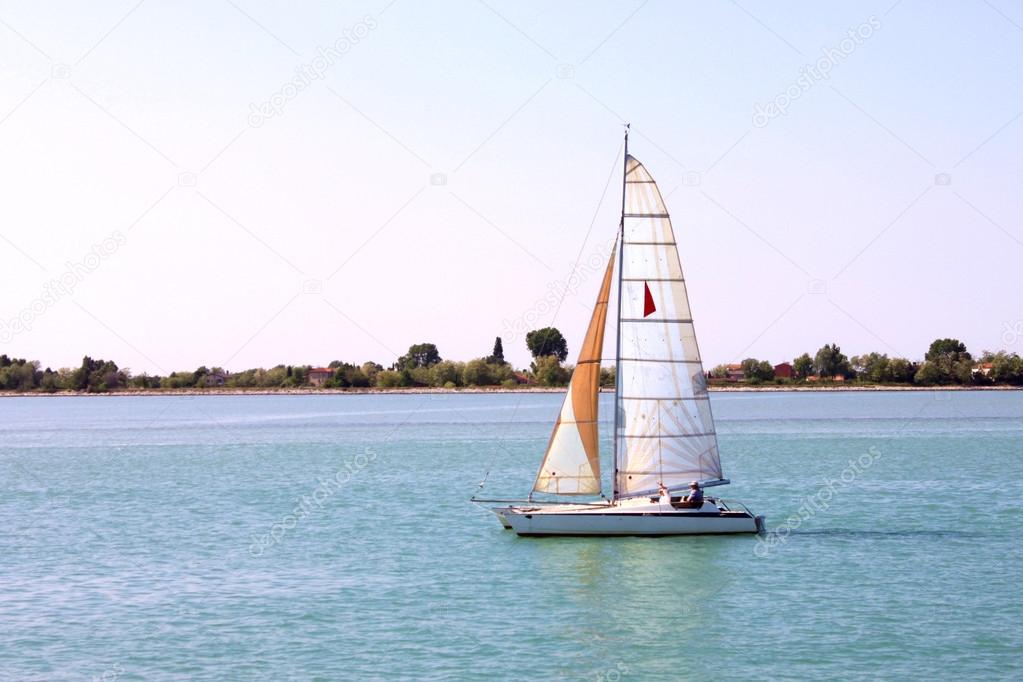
(648, 301)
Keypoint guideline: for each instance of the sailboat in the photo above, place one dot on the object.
(664, 437)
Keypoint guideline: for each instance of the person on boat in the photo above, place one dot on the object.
(695, 496)
(662, 490)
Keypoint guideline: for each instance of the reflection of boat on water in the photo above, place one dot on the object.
(664, 435)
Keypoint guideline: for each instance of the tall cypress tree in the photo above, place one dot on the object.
(497, 357)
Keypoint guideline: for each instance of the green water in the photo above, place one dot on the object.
(329, 537)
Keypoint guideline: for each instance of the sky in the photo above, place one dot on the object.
(237, 183)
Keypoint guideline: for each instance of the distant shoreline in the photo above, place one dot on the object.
(469, 391)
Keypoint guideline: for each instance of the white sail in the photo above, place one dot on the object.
(571, 465)
(665, 427)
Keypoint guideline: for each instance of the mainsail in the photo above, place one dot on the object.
(571, 465)
(665, 428)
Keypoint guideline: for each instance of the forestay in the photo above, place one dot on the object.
(665, 427)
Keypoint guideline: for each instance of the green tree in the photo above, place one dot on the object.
(1006, 368)
(355, 377)
(496, 357)
(873, 367)
(275, 377)
(803, 366)
(98, 375)
(547, 341)
(299, 375)
(477, 373)
(948, 349)
(388, 378)
(501, 372)
(757, 371)
(901, 371)
(179, 380)
(143, 381)
(719, 372)
(346, 375)
(418, 355)
(370, 370)
(246, 379)
(447, 372)
(51, 381)
(80, 378)
(547, 371)
(946, 362)
(19, 374)
(830, 362)
(419, 376)
(929, 374)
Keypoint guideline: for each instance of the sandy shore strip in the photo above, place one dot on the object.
(177, 392)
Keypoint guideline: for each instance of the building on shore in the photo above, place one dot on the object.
(215, 379)
(735, 373)
(783, 371)
(318, 376)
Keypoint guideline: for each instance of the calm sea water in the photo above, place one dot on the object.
(330, 537)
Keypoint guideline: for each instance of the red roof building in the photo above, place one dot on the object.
(784, 371)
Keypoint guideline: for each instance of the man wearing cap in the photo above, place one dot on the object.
(695, 496)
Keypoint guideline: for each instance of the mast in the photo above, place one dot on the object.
(618, 321)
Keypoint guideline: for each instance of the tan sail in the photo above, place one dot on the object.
(571, 465)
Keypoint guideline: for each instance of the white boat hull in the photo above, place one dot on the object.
(502, 515)
(642, 517)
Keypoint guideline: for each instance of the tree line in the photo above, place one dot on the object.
(421, 366)
(946, 362)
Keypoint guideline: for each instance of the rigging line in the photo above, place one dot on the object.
(499, 442)
(593, 221)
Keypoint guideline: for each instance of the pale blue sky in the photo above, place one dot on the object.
(881, 211)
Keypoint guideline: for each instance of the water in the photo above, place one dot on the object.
(167, 538)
